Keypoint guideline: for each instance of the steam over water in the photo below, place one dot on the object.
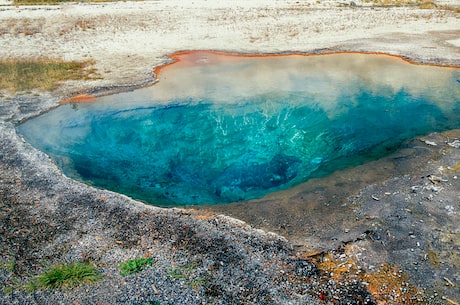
(219, 128)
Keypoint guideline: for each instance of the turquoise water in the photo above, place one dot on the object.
(201, 148)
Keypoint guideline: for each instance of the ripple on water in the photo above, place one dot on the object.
(219, 129)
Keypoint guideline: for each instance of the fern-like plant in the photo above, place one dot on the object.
(135, 265)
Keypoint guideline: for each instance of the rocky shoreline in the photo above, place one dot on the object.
(407, 221)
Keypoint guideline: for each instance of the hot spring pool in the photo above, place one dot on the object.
(219, 128)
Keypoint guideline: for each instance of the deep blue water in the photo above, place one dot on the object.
(196, 150)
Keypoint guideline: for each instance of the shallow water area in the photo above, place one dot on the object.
(222, 128)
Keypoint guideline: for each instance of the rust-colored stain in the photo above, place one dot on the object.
(185, 56)
(81, 98)
(389, 286)
(387, 283)
(204, 215)
(189, 57)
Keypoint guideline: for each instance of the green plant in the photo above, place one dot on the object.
(135, 265)
(65, 275)
(7, 265)
(201, 281)
(10, 282)
(8, 290)
(183, 272)
(177, 274)
(190, 276)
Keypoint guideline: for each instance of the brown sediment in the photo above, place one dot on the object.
(456, 167)
(388, 284)
(181, 56)
(81, 98)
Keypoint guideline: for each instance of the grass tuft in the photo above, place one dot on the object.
(135, 265)
(44, 74)
(66, 275)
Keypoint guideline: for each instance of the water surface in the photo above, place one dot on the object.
(219, 129)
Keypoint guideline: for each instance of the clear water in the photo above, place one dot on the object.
(219, 129)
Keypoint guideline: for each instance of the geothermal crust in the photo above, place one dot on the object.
(400, 212)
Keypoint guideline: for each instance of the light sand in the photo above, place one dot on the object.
(128, 39)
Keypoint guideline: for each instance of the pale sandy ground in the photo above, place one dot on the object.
(128, 39)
